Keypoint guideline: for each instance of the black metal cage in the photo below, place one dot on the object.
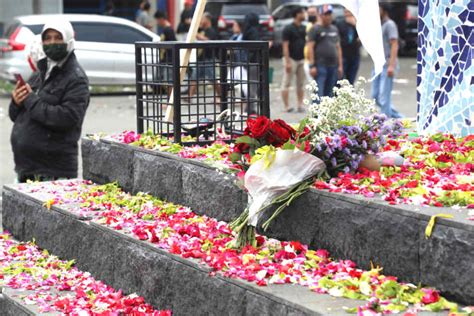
(210, 98)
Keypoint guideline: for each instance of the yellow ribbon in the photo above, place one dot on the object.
(267, 153)
(431, 223)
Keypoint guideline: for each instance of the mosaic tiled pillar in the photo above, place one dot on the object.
(445, 66)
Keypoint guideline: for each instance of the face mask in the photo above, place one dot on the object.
(55, 52)
(312, 18)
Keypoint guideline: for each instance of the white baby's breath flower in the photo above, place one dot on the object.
(347, 103)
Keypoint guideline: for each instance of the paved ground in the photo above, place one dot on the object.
(117, 112)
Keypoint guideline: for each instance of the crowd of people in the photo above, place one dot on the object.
(315, 47)
(328, 51)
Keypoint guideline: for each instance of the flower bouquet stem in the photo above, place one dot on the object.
(287, 198)
(246, 233)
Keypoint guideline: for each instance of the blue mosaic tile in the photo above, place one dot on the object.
(445, 69)
(463, 16)
(461, 43)
(454, 61)
(464, 54)
(467, 30)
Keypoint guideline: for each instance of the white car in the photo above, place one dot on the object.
(104, 46)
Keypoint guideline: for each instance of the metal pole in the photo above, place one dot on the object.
(176, 94)
(139, 85)
(264, 87)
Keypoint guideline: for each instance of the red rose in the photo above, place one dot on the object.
(260, 126)
(286, 127)
(250, 123)
(280, 133)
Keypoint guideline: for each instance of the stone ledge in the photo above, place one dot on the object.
(165, 280)
(349, 226)
(10, 305)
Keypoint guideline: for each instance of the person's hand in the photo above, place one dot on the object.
(288, 67)
(313, 71)
(340, 72)
(390, 71)
(20, 93)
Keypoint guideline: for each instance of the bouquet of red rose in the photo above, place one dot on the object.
(278, 169)
(260, 132)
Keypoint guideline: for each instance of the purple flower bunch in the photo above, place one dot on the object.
(344, 148)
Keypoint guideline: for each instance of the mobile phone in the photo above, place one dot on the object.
(19, 78)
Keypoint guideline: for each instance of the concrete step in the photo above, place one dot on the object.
(10, 305)
(34, 282)
(162, 278)
(348, 226)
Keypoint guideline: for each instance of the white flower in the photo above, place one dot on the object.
(348, 103)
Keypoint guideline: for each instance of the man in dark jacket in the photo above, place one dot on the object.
(48, 111)
(251, 32)
(186, 17)
(251, 28)
(350, 45)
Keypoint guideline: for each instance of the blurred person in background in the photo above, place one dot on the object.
(238, 75)
(312, 13)
(110, 9)
(205, 58)
(382, 85)
(143, 15)
(48, 110)
(237, 34)
(325, 53)
(350, 45)
(294, 40)
(186, 17)
(251, 32)
(166, 33)
(251, 28)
